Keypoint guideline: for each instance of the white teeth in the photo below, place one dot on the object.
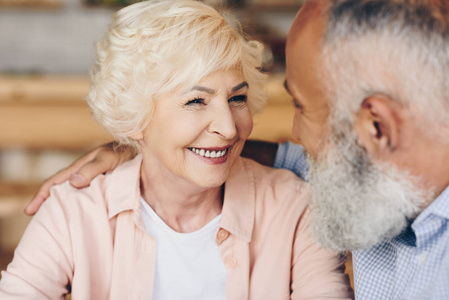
(207, 153)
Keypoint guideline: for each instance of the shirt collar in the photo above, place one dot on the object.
(123, 193)
(439, 207)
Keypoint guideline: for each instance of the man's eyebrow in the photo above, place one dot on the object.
(240, 86)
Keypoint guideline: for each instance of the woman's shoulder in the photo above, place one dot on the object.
(281, 201)
(269, 175)
(105, 194)
(71, 200)
(119, 183)
(278, 185)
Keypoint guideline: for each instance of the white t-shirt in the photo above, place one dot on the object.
(188, 265)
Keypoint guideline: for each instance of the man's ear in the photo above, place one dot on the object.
(377, 124)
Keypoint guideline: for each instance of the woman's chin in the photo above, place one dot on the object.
(210, 182)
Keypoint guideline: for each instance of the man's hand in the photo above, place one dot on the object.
(107, 157)
(83, 170)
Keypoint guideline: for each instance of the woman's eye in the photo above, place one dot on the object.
(239, 98)
(195, 101)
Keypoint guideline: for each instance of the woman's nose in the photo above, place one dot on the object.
(223, 123)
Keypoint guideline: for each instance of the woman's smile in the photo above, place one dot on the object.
(211, 155)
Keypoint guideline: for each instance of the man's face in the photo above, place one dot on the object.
(356, 203)
(304, 82)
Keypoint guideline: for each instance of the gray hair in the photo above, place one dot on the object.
(396, 48)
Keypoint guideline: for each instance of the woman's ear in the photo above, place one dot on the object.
(137, 136)
(377, 124)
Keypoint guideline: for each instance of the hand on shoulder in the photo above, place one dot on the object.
(80, 173)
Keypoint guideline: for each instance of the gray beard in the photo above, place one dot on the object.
(355, 203)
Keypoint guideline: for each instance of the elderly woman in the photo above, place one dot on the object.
(188, 218)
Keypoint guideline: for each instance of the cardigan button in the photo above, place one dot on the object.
(231, 262)
(222, 235)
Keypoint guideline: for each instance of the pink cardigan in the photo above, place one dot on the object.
(93, 243)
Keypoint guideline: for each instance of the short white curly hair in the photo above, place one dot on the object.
(156, 46)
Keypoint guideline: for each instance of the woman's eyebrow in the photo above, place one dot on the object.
(212, 91)
(240, 86)
(202, 89)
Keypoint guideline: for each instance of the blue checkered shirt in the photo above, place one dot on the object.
(291, 157)
(414, 265)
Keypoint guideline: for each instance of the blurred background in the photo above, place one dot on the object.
(46, 49)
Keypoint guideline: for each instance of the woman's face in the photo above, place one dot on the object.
(197, 134)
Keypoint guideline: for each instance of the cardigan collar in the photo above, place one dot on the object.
(123, 194)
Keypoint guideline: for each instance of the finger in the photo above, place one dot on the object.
(104, 162)
(44, 191)
(103, 159)
(58, 178)
(82, 171)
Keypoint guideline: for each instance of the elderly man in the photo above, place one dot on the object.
(368, 79)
